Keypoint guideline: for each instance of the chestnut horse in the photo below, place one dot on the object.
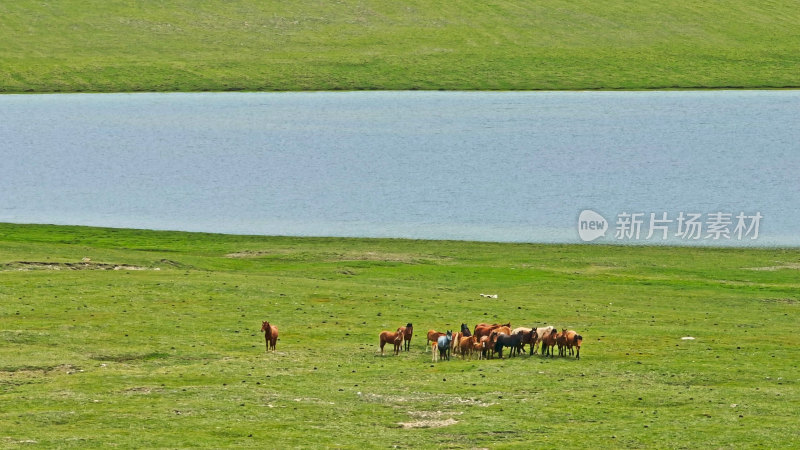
(466, 346)
(549, 341)
(395, 338)
(483, 329)
(270, 334)
(572, 340)
(433, 336)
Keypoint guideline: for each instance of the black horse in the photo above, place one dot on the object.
(503, 340)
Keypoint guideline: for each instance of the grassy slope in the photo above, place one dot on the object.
(173, 357)
(135, 45)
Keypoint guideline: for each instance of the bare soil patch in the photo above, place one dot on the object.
(429, 423)
(38, 265)
(790, 266)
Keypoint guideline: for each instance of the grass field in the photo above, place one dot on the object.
(165, 351)
(182, 45)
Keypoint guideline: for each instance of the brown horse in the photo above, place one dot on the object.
(483, 329)
(477, 346)
(466, 345)
(395, 338)
(408, 335)
(536, 340)
(502, 330)
(561, 341)
(572, 340)
(484, 345)
(270, 335)
(433, 336)
(549, 341)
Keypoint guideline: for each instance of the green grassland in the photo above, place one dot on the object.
(183, 45)
(165, 351)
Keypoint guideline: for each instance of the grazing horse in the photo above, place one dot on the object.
(433, 336)
(465, 330)
(443, 343)
(549, 341)
(270, 335)
(409, 332)
(572, 339)
(395, 338)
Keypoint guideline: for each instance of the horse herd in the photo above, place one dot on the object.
(487, 340)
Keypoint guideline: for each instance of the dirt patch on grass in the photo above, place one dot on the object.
(789, 266)
(400, 400)
(787, 301)
(429, 423)
(38, 265)
(432, 414)
(130, 357)
(406, 258)
(257, 253)
(42, 370)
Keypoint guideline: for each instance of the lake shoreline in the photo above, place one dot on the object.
(278, 91)
(55, 227)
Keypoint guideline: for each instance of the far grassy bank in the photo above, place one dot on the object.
(144, 45)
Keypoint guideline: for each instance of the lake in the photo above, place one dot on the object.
(493, 166)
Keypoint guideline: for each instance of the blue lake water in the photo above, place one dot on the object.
(510, 166)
